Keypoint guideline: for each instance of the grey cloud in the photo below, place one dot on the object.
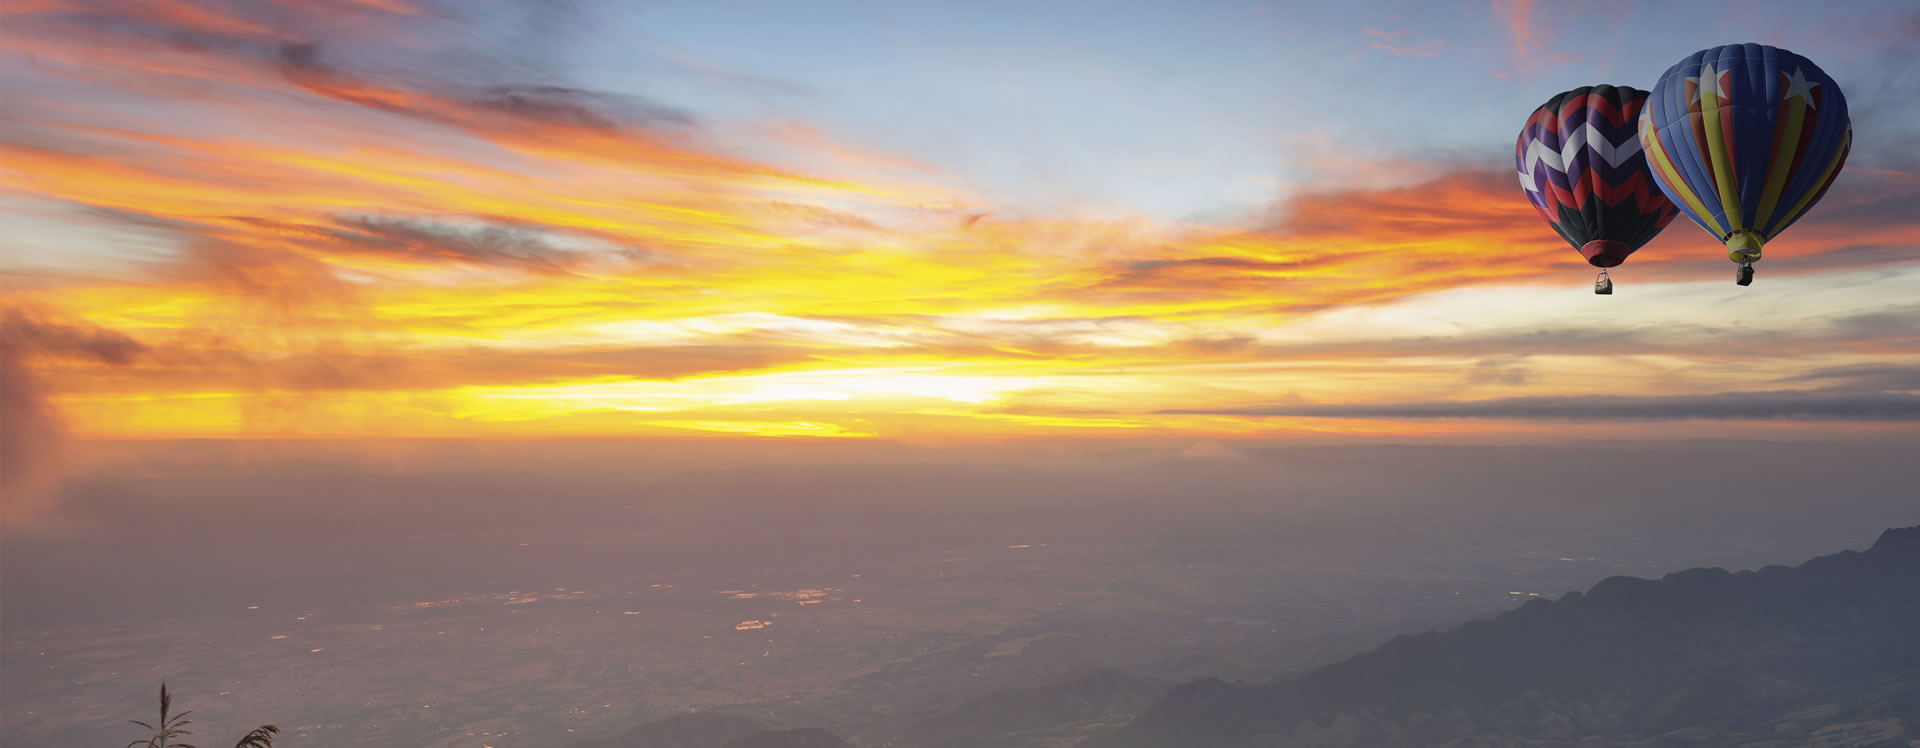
(1780, 405)
(30, 430)
(1881, 327)
(1900, 323)
(1866, 377)
(577, 107)
(32, 434)
(487, 245)
(24, 333)
(1496, 371)
(483, 82)
(1849, 257)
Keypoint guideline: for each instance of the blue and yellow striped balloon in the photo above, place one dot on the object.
(1744, 139)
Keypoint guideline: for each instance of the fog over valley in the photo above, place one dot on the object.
(370, 594)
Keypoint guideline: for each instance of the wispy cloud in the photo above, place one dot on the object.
(1880, 377)
(32, 431)
(368, 218)
(1532, 39)
(1403, 42)
(1780, 405)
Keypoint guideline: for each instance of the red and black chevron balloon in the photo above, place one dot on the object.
(1581, 165)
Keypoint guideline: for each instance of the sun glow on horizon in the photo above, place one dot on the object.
(253, 244)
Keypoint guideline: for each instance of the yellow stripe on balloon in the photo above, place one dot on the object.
(1826, 175)
(1782, 163)
(1716, 147)
(1651, 143)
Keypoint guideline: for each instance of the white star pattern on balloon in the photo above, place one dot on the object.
(1798, 85)
(1708, 80)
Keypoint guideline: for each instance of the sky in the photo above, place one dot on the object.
(916, 222)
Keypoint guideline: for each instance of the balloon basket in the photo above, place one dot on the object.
(1602, 284)
(1744, 276)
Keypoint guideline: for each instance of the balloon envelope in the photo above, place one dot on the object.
(1581, 165)
(1745, 139)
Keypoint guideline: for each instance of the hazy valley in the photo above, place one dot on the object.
(888, 610)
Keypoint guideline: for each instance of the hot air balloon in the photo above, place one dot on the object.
(1745, 139)
(1581, 165)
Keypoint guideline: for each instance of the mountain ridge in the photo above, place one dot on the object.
(1818, 654)
(1693, 656)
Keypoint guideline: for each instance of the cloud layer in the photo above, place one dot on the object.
(394, 218)
(1774, 405)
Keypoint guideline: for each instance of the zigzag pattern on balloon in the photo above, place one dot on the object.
(1555, 145)
(1581, 139)
(1582, 165)
(1544, 173)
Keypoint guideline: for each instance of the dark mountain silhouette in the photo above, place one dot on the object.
(805, 737)
(1048, 715)
(1825, 653)
(697, 730)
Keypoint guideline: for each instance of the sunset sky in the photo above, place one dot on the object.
(912, 221)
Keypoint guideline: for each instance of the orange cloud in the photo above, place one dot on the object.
(371, 251)
(32, 432)
(1517, 16)
(1390, 42)
(1529, 45)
